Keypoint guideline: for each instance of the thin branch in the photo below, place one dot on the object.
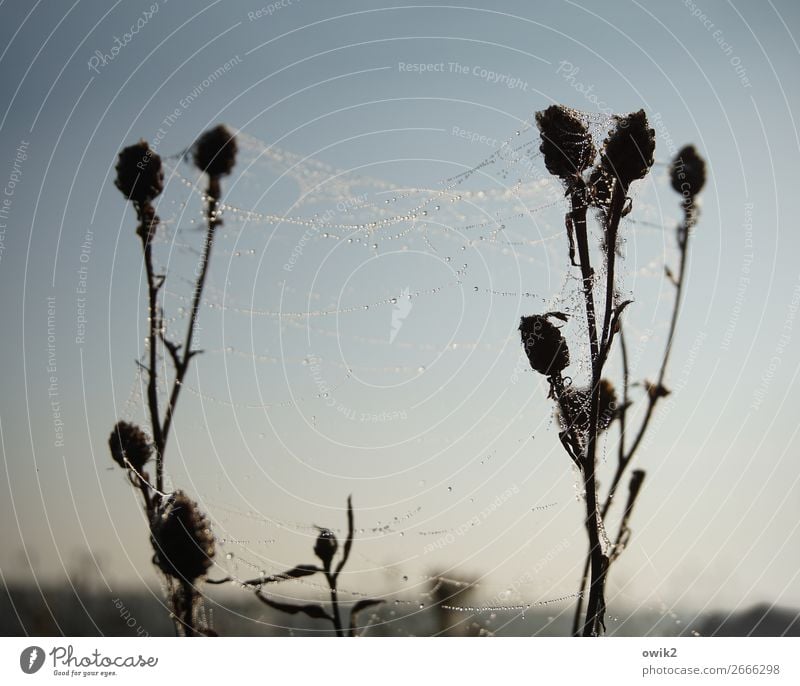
(187, 597)
(635, 486)
(597, 561)
(146, 231)
(625, 457)
(182, 366)
(652, 398)
(348, 544)
(618, 197)
(578, 215)
(337, 617)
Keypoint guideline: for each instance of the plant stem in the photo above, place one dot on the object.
(618, 196)
(598, 562)
(146, 231)
(579, 208)
(182, 363)
(337, 617)
(625, 457)
(653, 398)
(187, 600)
(596, 600)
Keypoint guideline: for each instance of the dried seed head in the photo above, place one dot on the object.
(629, 148)
(215, 152)
(688, 173)
(544, 345)
(326, 546)
(128, 441)
(140, 177)
(656, 391)
(577, 402)
(608, 405)
(182, 539)
(567, 145)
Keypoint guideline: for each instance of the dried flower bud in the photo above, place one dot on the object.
(656, 391)
(182, 539)
(577, 402)
(215, 152)
(629, 148)
(567, 145)
(140, 177)
(688, 173)
(544, 345)
(129, 442)
(325, 547)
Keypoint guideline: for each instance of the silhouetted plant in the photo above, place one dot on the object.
(687, 177)
(626, 156)
(326, 547)
(179, 533)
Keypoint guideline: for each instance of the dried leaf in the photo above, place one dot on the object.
(294, 573)
(364, 604)
(313, 611)
(348, 544)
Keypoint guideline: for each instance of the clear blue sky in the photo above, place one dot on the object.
(328, 82)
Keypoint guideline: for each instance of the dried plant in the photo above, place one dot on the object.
(179, 533)
(583, 413)
(626, 156)
(325, 548)
(687, 177)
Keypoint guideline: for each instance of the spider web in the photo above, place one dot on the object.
(362, 334)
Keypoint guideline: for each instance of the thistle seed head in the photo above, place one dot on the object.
(688, 173)
(128, 441)
(544, 345)
(577, 402)
(140, 177)
(656, 391)
(215, 152)
(567, 145)
(182, 539)
(628, 150)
